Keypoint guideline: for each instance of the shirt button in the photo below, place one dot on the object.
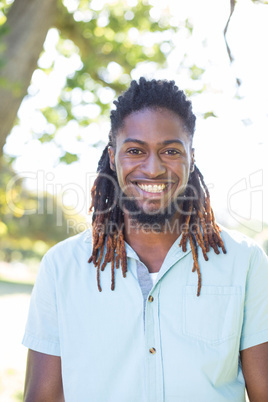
(152, 351)
(151, 299)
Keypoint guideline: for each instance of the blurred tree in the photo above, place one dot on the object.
(22, 35)
(30, 223)
(105, 35)
(99, 32)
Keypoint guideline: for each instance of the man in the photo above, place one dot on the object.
(152, 330)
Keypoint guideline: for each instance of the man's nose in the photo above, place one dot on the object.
(153, 166)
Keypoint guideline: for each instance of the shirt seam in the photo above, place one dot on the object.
(254, 334)
(38, 338)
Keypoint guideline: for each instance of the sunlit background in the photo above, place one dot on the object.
(231, 136)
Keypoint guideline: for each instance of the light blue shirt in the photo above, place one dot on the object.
(106, 346)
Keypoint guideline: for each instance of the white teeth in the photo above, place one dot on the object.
(152, 188)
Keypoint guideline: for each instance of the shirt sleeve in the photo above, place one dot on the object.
(255, 323)
(41, 333)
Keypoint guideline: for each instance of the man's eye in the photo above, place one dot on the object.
(134, 151)
(172, 152)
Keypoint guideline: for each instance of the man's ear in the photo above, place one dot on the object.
(111, 151)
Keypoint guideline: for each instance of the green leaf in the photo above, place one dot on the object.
(68, 158)
(196, 72)
(209, 114)
(46, 138)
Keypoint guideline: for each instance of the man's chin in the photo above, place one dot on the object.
(149, 217)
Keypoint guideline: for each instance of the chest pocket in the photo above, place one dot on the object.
(214, 316)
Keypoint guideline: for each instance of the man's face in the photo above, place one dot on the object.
(152, 159)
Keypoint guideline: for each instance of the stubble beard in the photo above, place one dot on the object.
(155, 221)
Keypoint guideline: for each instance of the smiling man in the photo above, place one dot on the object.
(153, 183)
(169, 307)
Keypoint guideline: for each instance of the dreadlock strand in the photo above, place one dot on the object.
(108, 252)
(118, 244)
(93, 190)
(124, 255)
(196, 265)
(199, 283)
(98, 278)
(201, 177)
(219, 242)
(204, 229)
(217, 233)
(94, 255)
(183, 242)
(100, 254)
(112, 274)
(222, 246)
(194, 251)
(98, 272)
(207, 220)
(113, 247)
(200, 241)
(98, 267)
(212, 242)
(100, 240)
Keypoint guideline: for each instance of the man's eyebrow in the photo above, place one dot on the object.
(167, 142)
(135, 140)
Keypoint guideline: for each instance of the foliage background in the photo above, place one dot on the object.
(61, 65)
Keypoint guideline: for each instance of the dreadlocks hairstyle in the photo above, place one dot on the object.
(198, 222)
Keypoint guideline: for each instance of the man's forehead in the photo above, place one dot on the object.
(162, 143)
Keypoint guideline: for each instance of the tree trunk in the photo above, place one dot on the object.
(28, 22)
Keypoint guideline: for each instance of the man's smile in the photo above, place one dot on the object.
(151, 187)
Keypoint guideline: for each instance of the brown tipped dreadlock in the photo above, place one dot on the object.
(198, 222)
(107, 221)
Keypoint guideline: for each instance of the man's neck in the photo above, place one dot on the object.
(150, 244)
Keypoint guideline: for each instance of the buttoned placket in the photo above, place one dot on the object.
(153, 352)
(154, 367)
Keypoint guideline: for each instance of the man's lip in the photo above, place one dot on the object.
(151, 182)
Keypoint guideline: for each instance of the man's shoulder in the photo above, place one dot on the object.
(238, 242)
(74, 245)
